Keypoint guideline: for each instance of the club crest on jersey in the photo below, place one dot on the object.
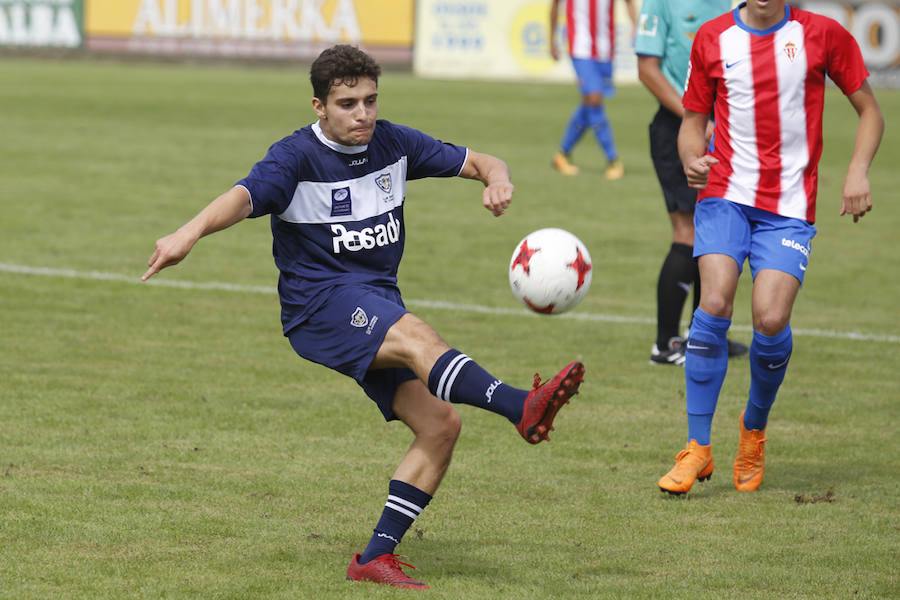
(790, 49)
(648, 25)
(383, 182)
(341, 206)
(359, 318)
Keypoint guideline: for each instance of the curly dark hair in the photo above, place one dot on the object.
(341, 64)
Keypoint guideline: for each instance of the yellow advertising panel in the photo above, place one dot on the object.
(366, 22)
(502, 39)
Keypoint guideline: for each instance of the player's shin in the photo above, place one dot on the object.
(706, 363)
(769, 357)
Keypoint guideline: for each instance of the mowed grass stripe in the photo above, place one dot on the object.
(434, 304)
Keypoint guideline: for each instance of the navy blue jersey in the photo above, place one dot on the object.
(337, 211)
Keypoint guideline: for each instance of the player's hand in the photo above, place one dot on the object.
(169, 251)
(697, 171)
(497, 196)
(855, 197)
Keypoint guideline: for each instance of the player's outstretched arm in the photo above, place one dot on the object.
(855, 196)
(224, 211)
(494, 174)
(692, 149)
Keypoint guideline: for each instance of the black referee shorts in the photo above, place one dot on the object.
(664, 152)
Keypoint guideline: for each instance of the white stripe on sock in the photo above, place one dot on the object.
(410, 505)
(449, 376)
(401, 510)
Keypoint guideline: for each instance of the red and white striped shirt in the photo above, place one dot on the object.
(590, 27)
(768, 91)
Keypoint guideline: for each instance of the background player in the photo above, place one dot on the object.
(590, 29)
(663, 45)
(335, 190)
(762, 68)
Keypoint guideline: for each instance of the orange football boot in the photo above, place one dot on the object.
(693, 463)
(750, 463)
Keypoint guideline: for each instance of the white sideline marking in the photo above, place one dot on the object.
(436, 304)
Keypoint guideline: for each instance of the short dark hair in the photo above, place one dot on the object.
(341, 64)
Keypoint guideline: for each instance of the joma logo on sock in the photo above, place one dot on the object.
(490, 391)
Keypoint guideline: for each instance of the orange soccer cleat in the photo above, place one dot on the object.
(750, 463)
(693, 463)
(561, 163)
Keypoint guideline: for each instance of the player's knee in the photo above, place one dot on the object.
(593, 99)
(443, 429)
(716, 305)
(770, 323)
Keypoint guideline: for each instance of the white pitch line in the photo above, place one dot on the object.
(435, 304)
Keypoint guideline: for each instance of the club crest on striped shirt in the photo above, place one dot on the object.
(384, 183)
(790, 49)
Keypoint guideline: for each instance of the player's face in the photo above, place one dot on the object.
(762, 14)
(348, 114)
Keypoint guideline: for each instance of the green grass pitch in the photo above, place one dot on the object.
(159, 441)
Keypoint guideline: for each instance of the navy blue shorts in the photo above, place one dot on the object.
(743, 232)
(345, 333)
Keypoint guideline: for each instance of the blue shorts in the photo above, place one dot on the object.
(594, 76)
(769, 240)
(345, 333)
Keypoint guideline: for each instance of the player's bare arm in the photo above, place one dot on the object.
(655, 81)
(494, 174)
(554, 21)
(223, 212)
(856, 197)
(692, 149)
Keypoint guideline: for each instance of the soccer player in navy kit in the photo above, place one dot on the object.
(335, 192)
(761, 68)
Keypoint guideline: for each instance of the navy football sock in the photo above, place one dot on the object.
(457, 378)
(705, 365)
(404, 504)
(769, 357)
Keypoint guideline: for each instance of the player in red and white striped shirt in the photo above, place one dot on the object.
(590, 33)
(760, 69)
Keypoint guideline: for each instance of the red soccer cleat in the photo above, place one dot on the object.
(383, 569)
(545, 400)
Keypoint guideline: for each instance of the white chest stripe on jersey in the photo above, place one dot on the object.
(368, 196)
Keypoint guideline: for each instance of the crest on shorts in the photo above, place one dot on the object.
(359, 318)
(790, 49)
(383, 182)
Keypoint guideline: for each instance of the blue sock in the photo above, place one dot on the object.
(705, 365)
(457, 378)
(597, 119)
(404, 504)
(769, 357)
(574, 130)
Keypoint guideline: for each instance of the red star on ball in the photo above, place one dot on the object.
(581, 266)
(524, 256)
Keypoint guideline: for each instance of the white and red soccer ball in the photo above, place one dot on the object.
(550, 271)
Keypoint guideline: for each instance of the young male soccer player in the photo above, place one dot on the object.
(762, 68)
(663, 45)
(335, 190)
(590, 29)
